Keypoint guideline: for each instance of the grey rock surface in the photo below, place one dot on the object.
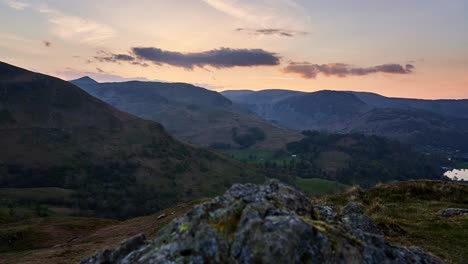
(450, 212)
(270, 223)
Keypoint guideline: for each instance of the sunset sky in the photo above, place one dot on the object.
(401, 48)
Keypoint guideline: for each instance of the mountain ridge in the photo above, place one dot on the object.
(334, 113)
(57, 135)
(193, 114)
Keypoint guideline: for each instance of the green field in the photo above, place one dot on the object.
(255, 156)
(461, 165)
(316, 186)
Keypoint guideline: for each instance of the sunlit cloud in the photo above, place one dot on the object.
(74, 28)
(18, 5)
(273, 32)
(266, 13)
(310, 71)
(69, 27)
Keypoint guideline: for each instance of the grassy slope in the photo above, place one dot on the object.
(407, 213)
(316, 186)
(47, 240)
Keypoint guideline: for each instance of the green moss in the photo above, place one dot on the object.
(335, 235)
(184, 226)
(227, 226)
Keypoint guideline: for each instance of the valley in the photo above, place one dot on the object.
(78, 169)
(432, 123)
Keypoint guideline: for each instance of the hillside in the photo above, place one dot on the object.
(410, 214)
(436, 123)
(56, 135)
(411, 125)
(350, 159)
(406, 213)
(190, 113)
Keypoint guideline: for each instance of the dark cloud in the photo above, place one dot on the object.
(139, 63)
(218, 58)
(100, 70)
(273, 31)
(46, 43)
(310, 71)
(104, 56)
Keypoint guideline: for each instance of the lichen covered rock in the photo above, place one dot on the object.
(451, 212)
(270, 223)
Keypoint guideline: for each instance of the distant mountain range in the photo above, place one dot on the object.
(439, 123)
(190, 113)
(54, 134)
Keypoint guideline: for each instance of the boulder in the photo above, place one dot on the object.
(270, 223)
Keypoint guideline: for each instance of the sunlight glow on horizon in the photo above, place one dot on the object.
(364, 35)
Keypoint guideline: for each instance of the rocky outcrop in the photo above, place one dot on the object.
(450, 212)
(270, 223)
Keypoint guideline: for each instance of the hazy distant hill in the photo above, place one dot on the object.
(440, 123)
(412, 125)
(54, 134)
(454, 108)
(190, 113)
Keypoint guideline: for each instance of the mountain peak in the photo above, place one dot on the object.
(85, 79)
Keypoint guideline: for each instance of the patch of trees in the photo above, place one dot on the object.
(372, 160)
(248, 138)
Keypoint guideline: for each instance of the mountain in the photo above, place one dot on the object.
(190, 113)
(53, 134)
(454, 108)
(412, 125)
(320, 110)
(438, 123)
(258, 97)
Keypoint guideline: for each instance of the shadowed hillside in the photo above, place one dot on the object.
(190, 113)
(56, 135)
(435, 123)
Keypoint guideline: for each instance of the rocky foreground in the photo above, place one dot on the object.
(270, 223)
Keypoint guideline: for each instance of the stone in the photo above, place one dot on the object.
(450, 212)
(270, 223)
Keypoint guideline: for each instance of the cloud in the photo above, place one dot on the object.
(217, 58)
(69, 27)
(104, 56)
(18, 5)
(310, 71)
(266, 13)
(46, 43)
(273, 31)
(74, 28)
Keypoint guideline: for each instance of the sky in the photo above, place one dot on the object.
(397, 48)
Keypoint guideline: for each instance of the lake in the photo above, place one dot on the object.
(460, 174)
